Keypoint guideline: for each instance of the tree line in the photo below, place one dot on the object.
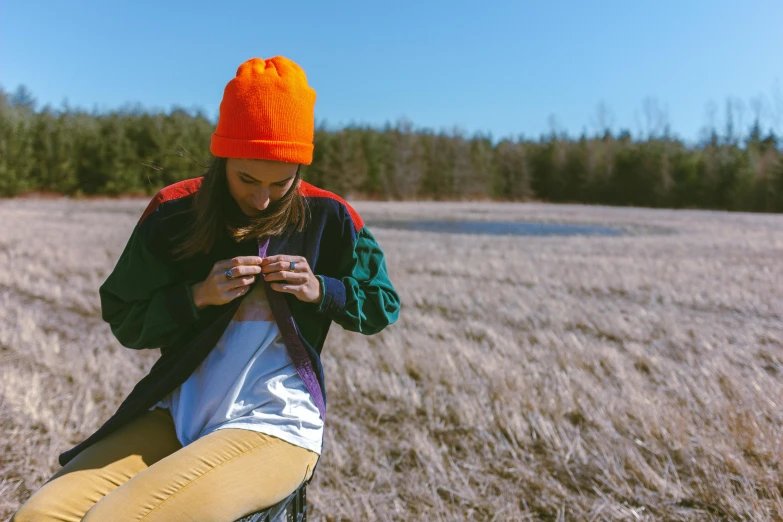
(135, 151)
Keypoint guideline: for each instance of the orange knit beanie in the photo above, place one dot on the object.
(266, 113)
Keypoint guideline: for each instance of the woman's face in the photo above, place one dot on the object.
(255, 183)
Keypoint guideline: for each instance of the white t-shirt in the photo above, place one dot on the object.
(247, 381)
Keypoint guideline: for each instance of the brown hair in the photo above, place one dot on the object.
(216, 211)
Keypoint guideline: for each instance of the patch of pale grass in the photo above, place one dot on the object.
(601, 378)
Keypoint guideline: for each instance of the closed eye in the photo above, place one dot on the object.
(250, 181)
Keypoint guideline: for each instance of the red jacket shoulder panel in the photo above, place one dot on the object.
(177, 190)
(309, 190)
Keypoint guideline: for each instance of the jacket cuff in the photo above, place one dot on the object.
(333, 298)
(179, 301)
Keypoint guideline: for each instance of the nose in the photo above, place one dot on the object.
(261, 199)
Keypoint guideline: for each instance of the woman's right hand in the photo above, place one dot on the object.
(216, 289)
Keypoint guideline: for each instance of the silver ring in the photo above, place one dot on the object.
(293, 266)
(229, 274)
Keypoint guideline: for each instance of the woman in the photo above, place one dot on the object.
(236, 276)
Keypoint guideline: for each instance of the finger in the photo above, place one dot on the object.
(283, 258)
(244, 270)
(277, 276)
(287, 287)
(275, 267)
(237, 283)
(301, 266)
(286, 277)
(272, 259)
(238, 261)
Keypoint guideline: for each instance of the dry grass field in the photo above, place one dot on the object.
(529, 378)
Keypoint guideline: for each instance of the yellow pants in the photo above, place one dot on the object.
(142, 473)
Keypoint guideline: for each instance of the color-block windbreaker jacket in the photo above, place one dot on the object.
(147, 298)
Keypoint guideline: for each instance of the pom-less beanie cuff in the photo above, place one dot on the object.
(290, 151)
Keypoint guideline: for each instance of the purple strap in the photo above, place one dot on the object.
(287, 326)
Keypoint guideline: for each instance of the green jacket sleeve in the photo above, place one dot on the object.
(363, 298)
(143, 300)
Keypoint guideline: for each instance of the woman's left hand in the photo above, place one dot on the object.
(301, 282)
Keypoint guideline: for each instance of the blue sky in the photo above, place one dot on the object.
(504, 67)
